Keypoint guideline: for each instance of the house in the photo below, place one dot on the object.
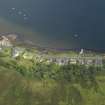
(38, 58)
(59, 61)
(28, 55)
(98, 61)
(89, 62)
(5, 42)
(41, 59)
(17, 51)
(73, 61)
(50, 60)
(62, 61)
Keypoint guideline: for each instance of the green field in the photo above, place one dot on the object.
(18, 90)
(24, 83)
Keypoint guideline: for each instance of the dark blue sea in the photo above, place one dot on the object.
(56, 23)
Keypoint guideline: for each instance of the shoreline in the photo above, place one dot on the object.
(21, 39)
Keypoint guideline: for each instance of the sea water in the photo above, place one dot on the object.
(56, 23)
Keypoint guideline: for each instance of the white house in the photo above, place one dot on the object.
(89, 62)
(73, 61)
(98, 61)
(17, 52)
(62, 61)
(5, 42)
(28, 55)
(49, 60)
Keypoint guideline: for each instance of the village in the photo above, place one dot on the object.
(40, 57)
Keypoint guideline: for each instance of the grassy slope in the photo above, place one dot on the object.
(18, 90)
